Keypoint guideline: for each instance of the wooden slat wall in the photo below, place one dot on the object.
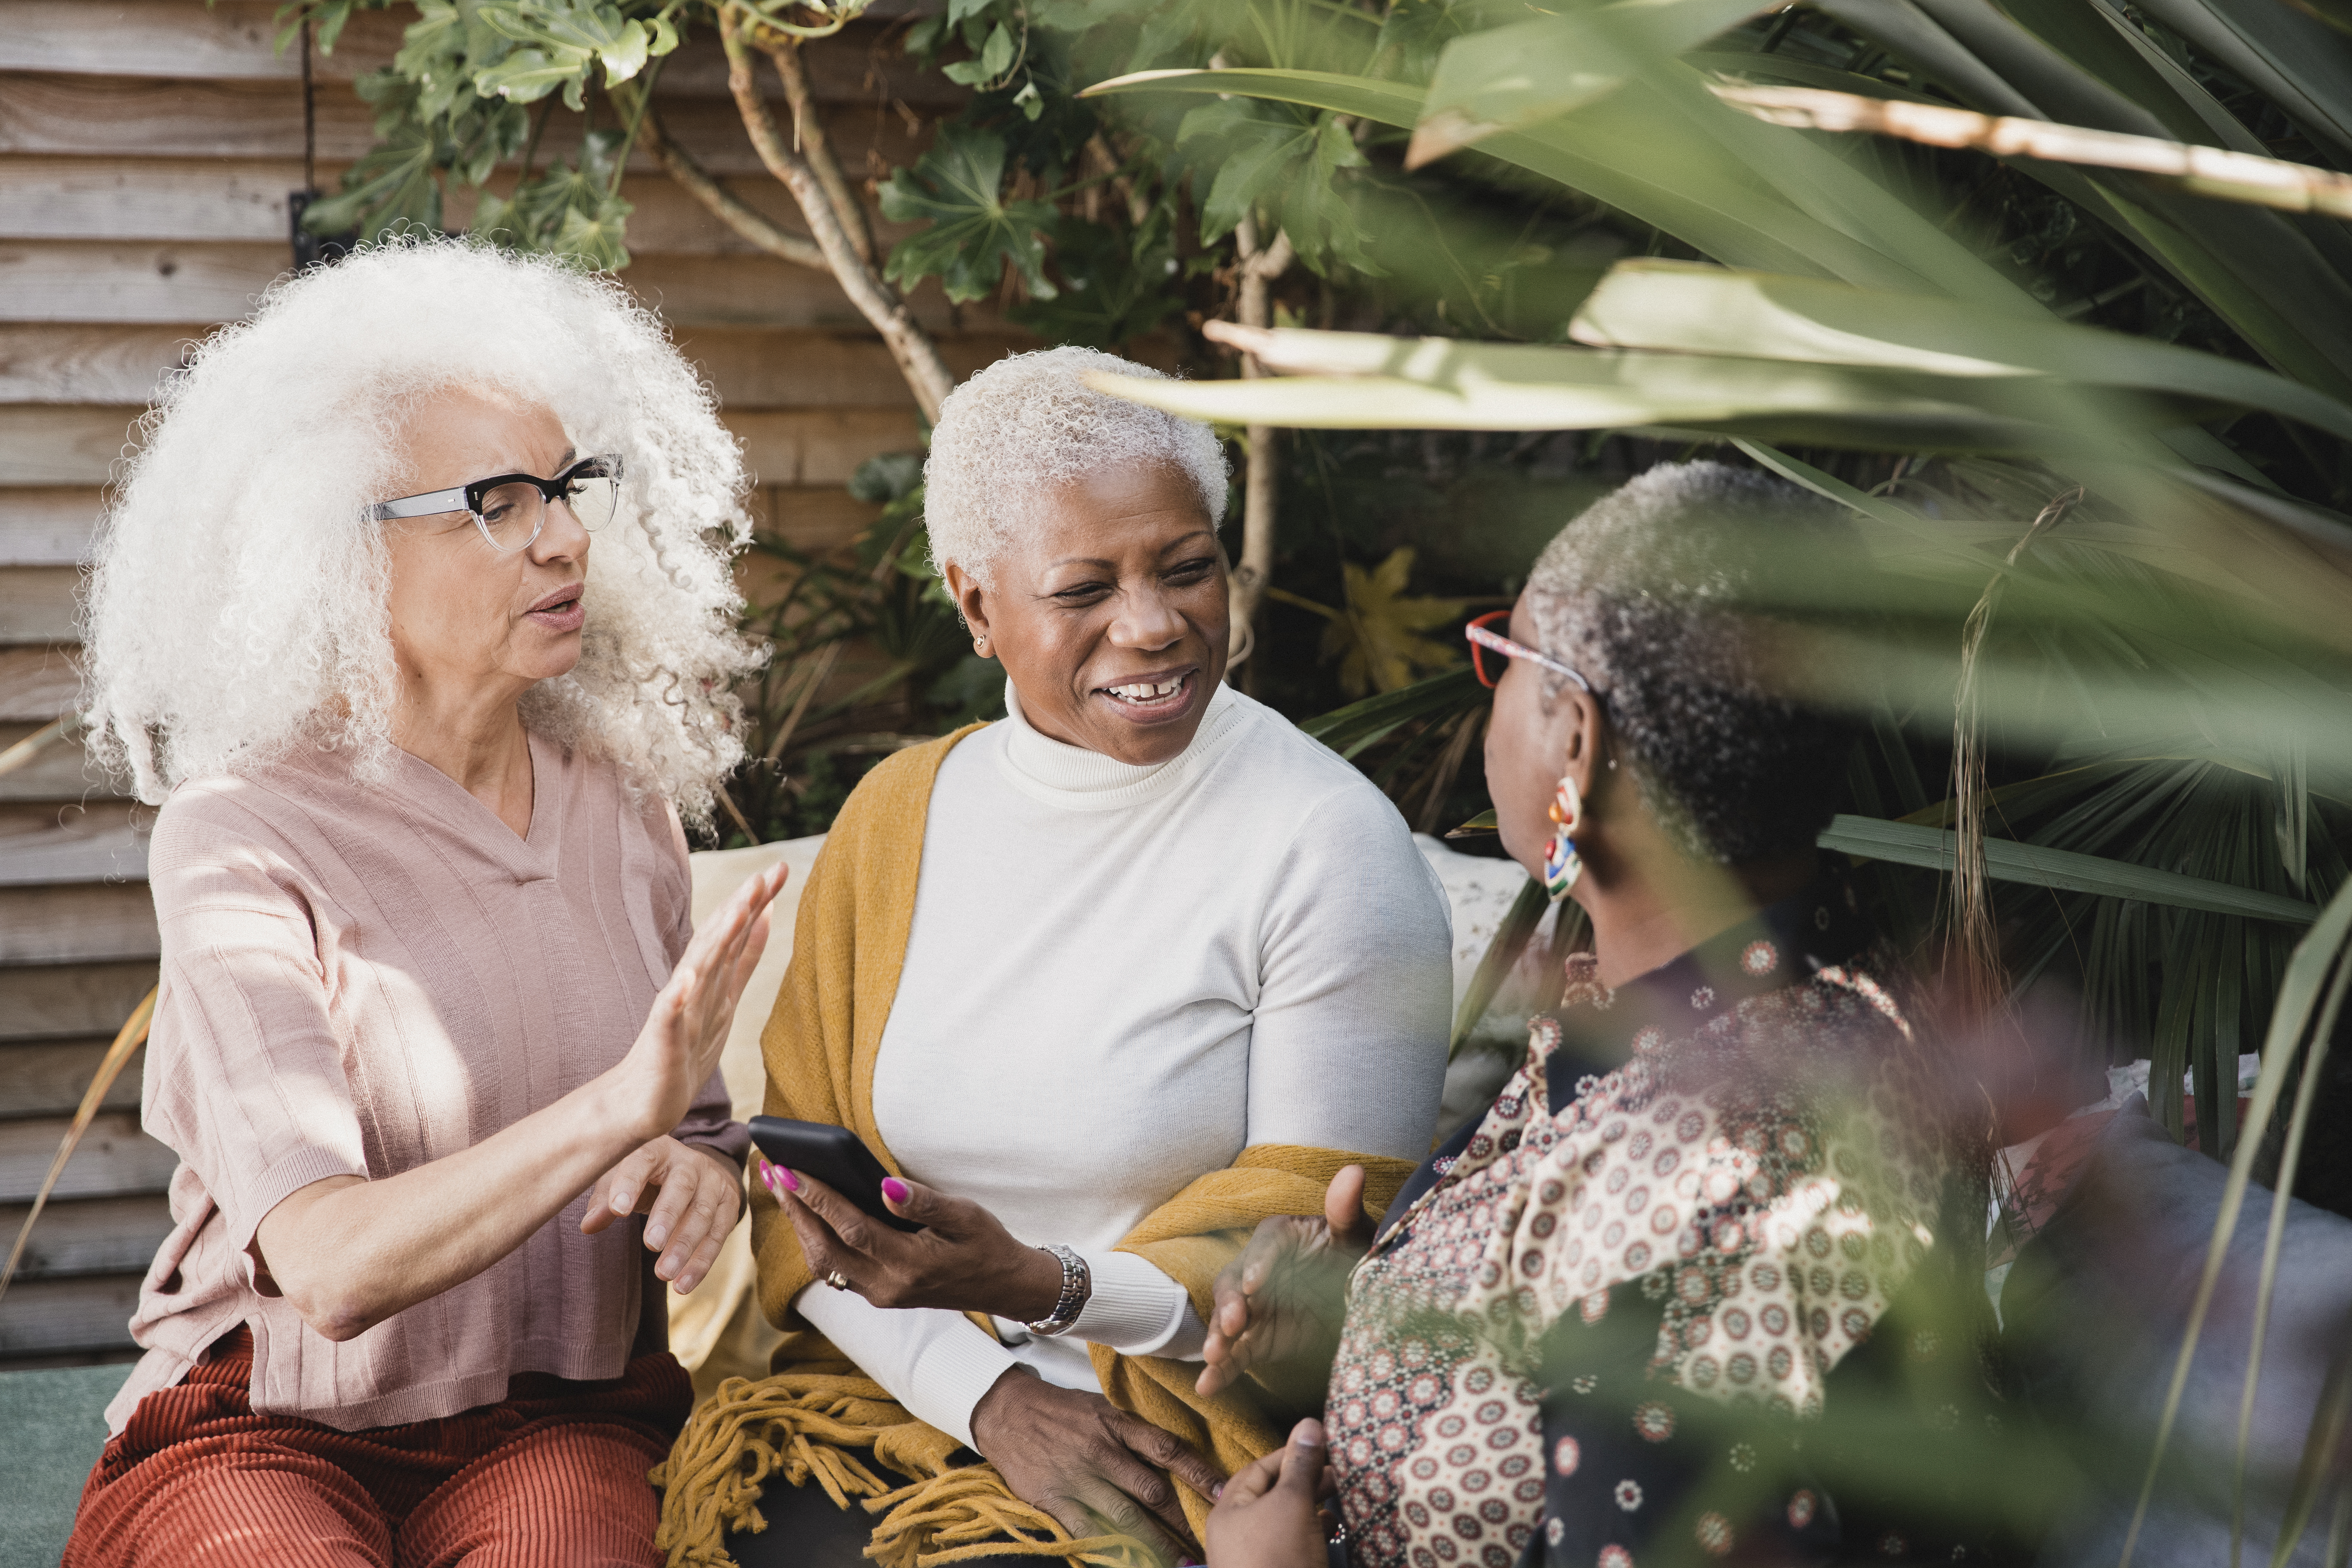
(146, 151)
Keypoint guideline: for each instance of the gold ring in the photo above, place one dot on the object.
(834, 1277)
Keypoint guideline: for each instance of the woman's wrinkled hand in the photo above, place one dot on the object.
(1271, 1515)
(690, 1199)
(677, 1050)
(1284, 1297)
(963, 1259)
(1093, 1466)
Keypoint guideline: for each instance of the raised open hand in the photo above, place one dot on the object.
(686, 1029)
(1285, 1294)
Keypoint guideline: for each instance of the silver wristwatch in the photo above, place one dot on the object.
(1078, 1284)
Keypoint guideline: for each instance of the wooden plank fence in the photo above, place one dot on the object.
(147, 148)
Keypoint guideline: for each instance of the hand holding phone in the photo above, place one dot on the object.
(928, 1249)
(834, 1155)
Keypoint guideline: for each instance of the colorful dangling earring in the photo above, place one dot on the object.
(1562, 864)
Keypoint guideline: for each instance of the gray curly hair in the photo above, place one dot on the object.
(1645, 591)
(237, 609)
(1029, 422)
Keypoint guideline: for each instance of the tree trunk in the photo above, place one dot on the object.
(1259, 267)
(809, 138)
(927, 374)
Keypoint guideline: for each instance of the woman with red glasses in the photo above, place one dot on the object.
(1608, 1323)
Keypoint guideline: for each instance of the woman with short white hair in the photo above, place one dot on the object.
(433, 1028)
(1101, 984)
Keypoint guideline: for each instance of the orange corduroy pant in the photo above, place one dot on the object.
(552, 1476)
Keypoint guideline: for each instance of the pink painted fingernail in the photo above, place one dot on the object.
(792, 1183)
(897, 1191)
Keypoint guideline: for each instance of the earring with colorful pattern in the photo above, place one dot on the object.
(1562, 864)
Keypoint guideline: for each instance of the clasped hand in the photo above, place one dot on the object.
(1283, 1299)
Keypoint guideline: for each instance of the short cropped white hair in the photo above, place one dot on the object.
(237, 610)
(1030, 422)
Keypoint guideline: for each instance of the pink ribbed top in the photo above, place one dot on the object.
(358, 980)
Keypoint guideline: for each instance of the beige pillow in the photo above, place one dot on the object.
(718, 1331)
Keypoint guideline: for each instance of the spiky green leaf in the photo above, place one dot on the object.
(973, 233)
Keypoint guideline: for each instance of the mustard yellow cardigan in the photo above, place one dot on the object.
(817, 1416)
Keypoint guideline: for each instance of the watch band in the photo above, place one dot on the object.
(1078, 1284)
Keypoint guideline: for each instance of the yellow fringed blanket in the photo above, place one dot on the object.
(820, 1419)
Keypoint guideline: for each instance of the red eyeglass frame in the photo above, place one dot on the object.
(1483, 637)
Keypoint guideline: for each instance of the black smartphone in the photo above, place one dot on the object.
(834, 1155)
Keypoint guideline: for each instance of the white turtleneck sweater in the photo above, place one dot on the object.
(1118, 979)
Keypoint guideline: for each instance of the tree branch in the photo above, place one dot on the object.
(1259, 267)
(730, 209)
(809, 134)
(927, 374)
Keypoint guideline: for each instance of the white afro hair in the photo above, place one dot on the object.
(1030, 422)
(237, 609)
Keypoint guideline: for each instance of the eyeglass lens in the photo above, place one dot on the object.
(511, 514)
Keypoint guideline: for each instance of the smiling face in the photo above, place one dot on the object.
(1110, 614)
(465, 616)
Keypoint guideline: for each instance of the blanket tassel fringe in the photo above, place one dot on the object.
(796, 1428)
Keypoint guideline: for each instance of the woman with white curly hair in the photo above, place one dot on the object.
(1086, 980)
(434, 1030)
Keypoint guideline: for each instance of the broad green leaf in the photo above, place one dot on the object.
(626, 57)
(593, 28)
(2259, 271)
(390, 188)
(1656, 304)
(1365, 381)
(1260, 148)
(1682, 162)
(595, 238)
(1286, 164)
(1115, 286)
(1911, 844)
(995, 58)
(433, 43)
(2078, 30)
(2294, 61)
(527, 75)
(1414, 32)
(957, 189)
(1507, 78)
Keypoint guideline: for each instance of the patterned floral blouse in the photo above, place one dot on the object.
(1599, 1328)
